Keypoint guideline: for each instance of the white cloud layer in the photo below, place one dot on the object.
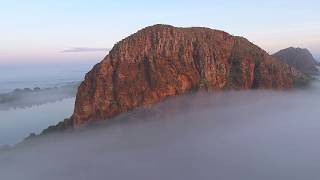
(245, 135)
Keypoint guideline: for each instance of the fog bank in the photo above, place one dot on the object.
(246, 135)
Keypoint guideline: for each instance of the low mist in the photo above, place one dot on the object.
(23, 98)
(248, 135)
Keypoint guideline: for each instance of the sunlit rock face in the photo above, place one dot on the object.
(162, 61)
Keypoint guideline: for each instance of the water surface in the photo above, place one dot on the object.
(16, 124)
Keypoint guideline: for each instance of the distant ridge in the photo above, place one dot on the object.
(21, 98)
(300, 59)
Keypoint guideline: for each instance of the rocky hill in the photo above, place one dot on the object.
(163, 61)
(300, 59)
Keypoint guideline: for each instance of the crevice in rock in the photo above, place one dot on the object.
(147, 71)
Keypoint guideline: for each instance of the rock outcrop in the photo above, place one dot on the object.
(298, 58)
(162, 61)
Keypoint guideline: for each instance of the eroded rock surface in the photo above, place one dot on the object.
(162, 61)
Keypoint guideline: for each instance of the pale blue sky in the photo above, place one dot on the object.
(43, 30)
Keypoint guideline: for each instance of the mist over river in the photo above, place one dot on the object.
(17, 124)
(30, 111)
(242, 135)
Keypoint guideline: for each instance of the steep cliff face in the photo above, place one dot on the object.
(298, 58)
(162, 61)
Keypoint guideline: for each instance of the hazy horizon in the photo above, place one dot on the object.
(82, 31)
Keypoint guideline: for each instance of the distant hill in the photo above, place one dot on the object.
(21, 98)
(300, 59)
